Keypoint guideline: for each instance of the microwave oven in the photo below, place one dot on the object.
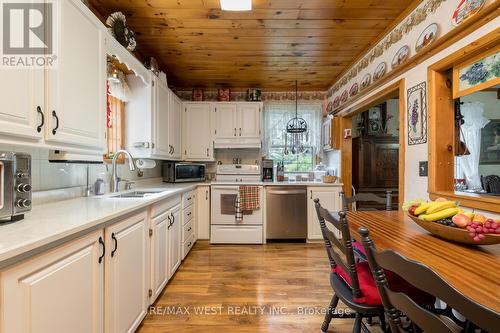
(183, 172)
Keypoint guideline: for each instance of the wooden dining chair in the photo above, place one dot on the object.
(348, 277)
(367, 197)
(422, 277)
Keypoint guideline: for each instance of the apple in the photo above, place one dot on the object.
(411, 210)
(441, 199)
(461, 220)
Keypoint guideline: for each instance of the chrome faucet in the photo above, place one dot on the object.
(115, 179)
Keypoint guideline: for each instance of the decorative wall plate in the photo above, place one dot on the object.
(119, 29)
(329, 108)
(427, 37)
(366, 81)
(466, 9)
(336, 102)
(379, 71)
(344, 96)
(354, 90)
(401, 56)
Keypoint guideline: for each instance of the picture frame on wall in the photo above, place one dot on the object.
(417, 114)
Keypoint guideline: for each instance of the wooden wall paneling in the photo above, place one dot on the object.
(200, 45)
(346, 155)
(402, 141)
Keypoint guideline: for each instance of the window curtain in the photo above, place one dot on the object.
(277, 114)
(470, 133)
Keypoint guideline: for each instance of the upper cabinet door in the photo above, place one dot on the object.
(161, 120)
(225, 115)
(197, 132)
(76, 105)
(22, 103)
(249, 120)
(176, 126)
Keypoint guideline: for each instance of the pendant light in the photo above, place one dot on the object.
(296, 130)
(236, 5)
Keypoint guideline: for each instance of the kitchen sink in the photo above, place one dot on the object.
(136, 194)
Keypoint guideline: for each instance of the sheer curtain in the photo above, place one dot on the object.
(276, 115)
(471, 135)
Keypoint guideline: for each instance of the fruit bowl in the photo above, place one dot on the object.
(453, 234)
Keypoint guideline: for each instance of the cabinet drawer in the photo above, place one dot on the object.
(187, 214)
(236, 234)
(187, 246)
(187, 199)
(187, 230)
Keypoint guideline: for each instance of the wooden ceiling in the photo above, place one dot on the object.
(276, 43)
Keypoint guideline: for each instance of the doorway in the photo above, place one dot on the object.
(373, 157)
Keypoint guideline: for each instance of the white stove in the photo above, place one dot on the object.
(225, 228)
(238, 173)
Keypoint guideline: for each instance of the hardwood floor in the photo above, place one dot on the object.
(247, 288)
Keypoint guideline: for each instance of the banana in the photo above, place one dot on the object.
(422, 208)
(440, 206)
(442, 214)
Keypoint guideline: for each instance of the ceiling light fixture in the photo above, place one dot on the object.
(236, 5)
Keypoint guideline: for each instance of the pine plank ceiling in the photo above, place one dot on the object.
(279, 41)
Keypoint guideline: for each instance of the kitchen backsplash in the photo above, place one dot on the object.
(51, 176)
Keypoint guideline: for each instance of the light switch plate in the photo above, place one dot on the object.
(423, 168)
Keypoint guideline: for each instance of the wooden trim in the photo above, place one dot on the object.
(346, 156)
(396, 89)
(402, 142)
(479, 201)
(449, 39)
(442, 128)
(481, 86)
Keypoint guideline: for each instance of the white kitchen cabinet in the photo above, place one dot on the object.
(197, 138)
(22, 105)
(188, 222)
(174, 240)
(203, 212)
(237, 125)
(225, 119)
(159, 254)
(161, 119)
(330, 134)
(175, 128)
(329, 198)
(127, 274)
(76, 98)
(57, 291)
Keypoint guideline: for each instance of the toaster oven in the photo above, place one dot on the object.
(183, 172)
(15, 185)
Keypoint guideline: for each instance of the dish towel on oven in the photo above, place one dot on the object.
(249, 198)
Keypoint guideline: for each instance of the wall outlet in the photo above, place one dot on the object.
(423, 168)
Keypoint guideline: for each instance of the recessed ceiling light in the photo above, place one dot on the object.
(236, 5)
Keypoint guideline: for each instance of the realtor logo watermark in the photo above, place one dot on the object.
(28, 33)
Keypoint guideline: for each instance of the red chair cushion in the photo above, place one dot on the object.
(369, 290)
(358, 246)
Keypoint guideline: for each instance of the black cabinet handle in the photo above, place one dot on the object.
(39, 127)
(240, 131)
(101, 241)
(173, 218)
(54, 114)
(189, 229)
(311, 194)
(206, 195)
(169, 221)
(116, 244)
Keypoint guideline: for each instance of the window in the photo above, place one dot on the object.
(276, 116)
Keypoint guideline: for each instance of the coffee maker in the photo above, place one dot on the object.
(267, 170)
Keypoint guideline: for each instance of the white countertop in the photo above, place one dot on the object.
(51, 222)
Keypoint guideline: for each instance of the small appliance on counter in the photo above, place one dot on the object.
(183, 172)
(15, 186)
(267, 170)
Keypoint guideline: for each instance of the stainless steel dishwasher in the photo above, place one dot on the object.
(286, 212)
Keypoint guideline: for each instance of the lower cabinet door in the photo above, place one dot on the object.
(329, 199)
(127, 274)
(58, 291)
(159, 255)
(174, 240)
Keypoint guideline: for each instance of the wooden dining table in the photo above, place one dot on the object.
(472, 270)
